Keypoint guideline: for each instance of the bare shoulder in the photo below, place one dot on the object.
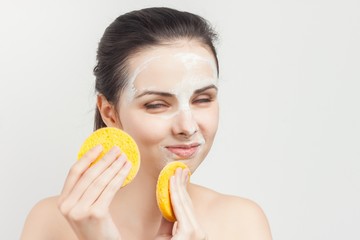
(235, 216)
(45, 221)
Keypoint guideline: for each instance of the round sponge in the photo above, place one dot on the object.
(109, 137)
(163, 189)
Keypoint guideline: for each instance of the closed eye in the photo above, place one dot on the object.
(205, 98)
(157, 106)
(202, 100)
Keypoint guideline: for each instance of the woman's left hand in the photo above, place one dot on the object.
(186, 227)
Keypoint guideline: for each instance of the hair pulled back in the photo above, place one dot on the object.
(136, 30)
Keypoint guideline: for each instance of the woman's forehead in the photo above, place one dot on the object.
(172, 62)
(170, 48)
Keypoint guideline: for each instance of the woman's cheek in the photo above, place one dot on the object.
(147, 129)
(207, 120)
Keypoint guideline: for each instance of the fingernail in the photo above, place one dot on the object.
(128, 164)
(115, 149)
(172, 180)
(98, 147)
(187, 177)
(179, 170)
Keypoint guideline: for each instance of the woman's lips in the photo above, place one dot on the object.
(184, 151)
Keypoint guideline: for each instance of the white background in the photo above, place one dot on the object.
(289, 136)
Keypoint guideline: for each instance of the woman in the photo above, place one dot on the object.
(156, 78)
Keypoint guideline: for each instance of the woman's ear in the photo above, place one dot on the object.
(108, 112)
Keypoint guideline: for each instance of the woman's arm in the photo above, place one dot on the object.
(83, 206)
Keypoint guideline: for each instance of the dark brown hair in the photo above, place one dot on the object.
(136, 30)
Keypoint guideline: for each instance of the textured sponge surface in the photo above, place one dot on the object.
(163, 189)
(109, 137)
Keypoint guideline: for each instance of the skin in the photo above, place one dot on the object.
(167, 105)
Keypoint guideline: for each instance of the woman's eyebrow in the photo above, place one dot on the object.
(167, 94)
(148, 92)
(205, 88)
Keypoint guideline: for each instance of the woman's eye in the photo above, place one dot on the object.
(155, 106)
(203, 99)
(152, 106)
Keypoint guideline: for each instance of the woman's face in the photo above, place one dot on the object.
(170, 104)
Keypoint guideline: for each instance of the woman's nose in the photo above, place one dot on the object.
(184, 125)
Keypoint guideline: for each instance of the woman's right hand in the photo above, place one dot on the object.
(88, 192)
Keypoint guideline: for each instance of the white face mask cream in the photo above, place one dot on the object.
(169, 104)
(196, 72)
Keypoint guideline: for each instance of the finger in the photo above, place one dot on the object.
(180, 199)
(186, 173)
(99, 185)
(96, 170)
(187, 224)
(79, 168)
(89, 176)
(115, 184)
(184, 182)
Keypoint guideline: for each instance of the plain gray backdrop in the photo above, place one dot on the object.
(289, 131)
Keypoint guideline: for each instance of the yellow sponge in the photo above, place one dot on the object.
(109, 137)
(163, 189)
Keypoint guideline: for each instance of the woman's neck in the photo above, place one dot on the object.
(136, 203)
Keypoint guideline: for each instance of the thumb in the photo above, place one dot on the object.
(165, 229)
